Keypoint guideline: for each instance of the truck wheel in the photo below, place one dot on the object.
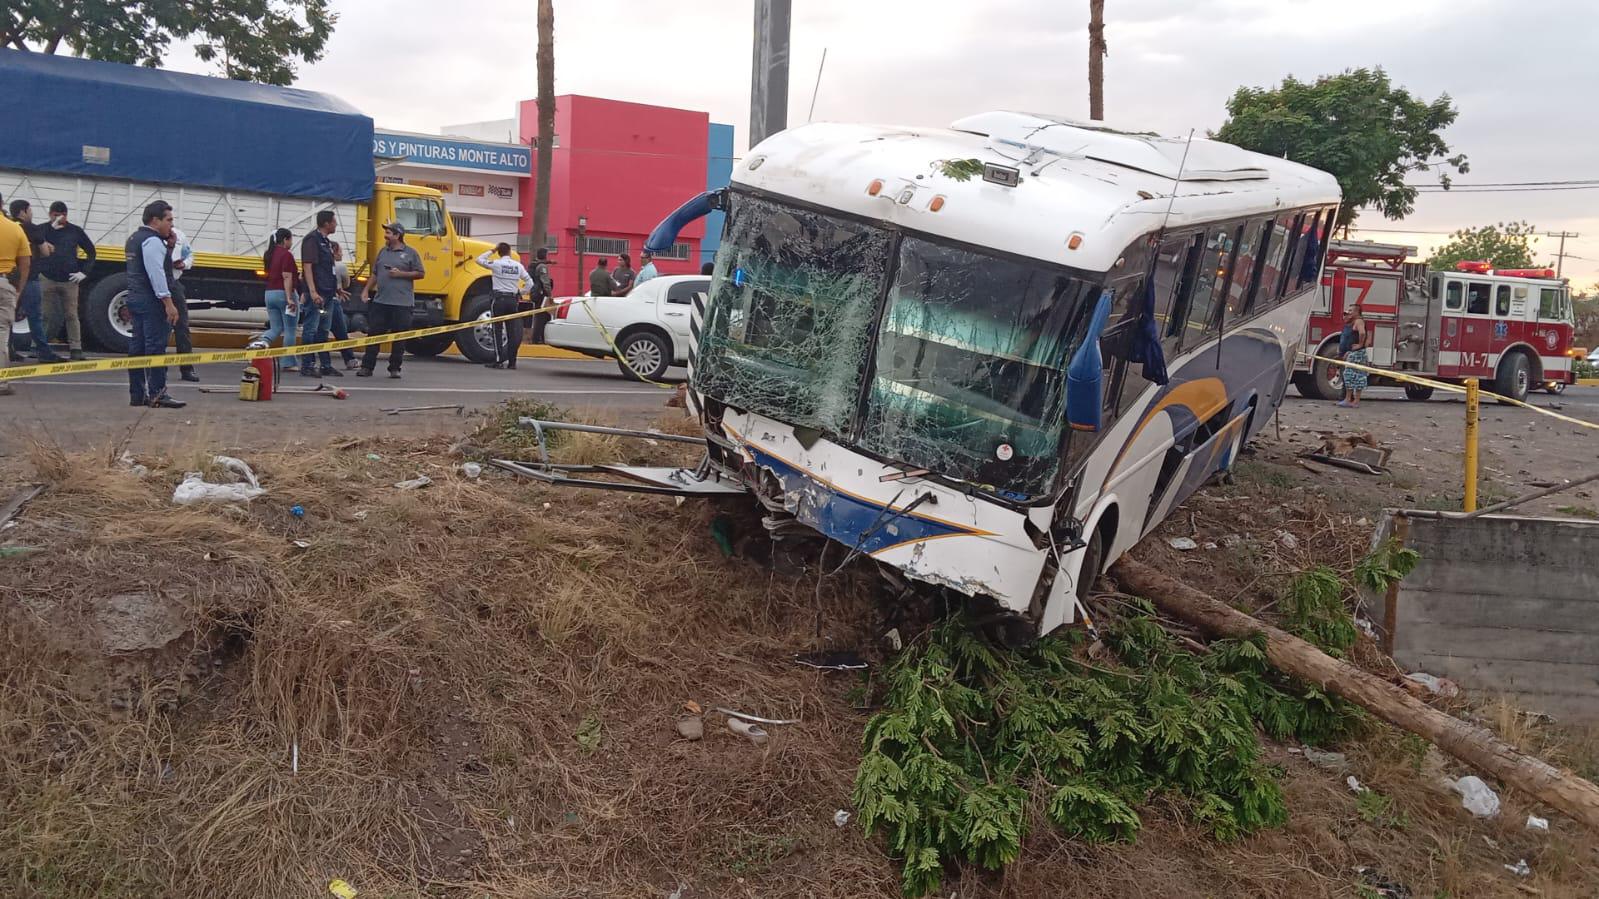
(1306, 385)
(429, 346)
(1515, 377)
(645, 356)
(476, 344)
(105, 311)
(1418, 392)
(1327, 380)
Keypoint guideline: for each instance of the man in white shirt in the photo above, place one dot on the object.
(646, 271)
(508, 277)
(182, 261)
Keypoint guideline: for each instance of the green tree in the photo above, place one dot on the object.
(1505, 245)
(248, 40)
(1357, 126)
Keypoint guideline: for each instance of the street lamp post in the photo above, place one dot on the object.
(582, 229)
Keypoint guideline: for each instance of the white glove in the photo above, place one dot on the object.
(77, 277)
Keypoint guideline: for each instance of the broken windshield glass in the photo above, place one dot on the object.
(789, 325)
(971, 367)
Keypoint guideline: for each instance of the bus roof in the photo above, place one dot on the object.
(1107, 186)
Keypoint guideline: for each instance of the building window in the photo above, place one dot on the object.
(604, 246)
(678, 251)
(463, 224)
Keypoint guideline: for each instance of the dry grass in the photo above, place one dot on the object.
(432, 655)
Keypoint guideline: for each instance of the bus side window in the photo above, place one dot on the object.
(1210, 285)
(1477, 297)
(1246, 266)
(1502, 300)
(1454, 297)
(1185, 271)
(1284, 235)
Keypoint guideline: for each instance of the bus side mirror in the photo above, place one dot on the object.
(1085, 386)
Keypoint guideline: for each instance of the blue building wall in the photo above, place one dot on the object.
(718, 173)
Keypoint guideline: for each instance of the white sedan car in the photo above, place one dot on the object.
(649, 328)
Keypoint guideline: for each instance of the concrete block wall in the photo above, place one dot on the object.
(1501, 604)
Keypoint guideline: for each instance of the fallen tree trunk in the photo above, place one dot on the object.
(1473, 745)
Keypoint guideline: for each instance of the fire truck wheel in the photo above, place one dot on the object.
(1417, 392)
(1327, 380)
(1515, 377)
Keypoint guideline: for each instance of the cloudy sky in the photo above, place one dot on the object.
(1522, 72)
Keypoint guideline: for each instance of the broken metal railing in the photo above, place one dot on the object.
(662, 480)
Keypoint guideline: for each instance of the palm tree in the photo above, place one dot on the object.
(546, 139)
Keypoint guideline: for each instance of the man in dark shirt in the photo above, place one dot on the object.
(60, 274)
(390, 295)
(321, 289)
(31, 306)
(600, 279)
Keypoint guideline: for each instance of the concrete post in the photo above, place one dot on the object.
(769, 70)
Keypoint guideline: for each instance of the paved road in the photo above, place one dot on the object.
(1578, 401)
(92, 409)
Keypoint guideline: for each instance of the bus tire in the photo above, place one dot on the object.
(476, 344)
(105, 312)
(1093, 560)
(1327, 380)
(1418, 392)
(1514, 378)
(427, 347)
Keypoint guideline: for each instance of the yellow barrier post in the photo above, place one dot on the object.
(1470, 502)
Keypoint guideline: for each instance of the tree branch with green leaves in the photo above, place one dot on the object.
(247, 40)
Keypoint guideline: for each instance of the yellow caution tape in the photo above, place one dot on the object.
(121, 363)
(1451, 388)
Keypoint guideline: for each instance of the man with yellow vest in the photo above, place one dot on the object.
(15, 258)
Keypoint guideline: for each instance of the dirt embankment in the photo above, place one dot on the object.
(473, 689)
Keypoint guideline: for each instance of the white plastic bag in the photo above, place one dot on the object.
(237, 467)
(1477, 797)
(196, 489)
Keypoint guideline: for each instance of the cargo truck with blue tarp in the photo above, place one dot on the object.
(237, 161)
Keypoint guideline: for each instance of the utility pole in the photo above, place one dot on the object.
(1560, 259)
(769, 71)
(1096, 59)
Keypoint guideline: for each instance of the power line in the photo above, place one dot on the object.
(1512, 183)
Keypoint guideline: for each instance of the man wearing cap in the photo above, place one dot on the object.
(647, 270)
(321, 290)
(61, 273)
(508, 276)
(390, 294)
(15, 257)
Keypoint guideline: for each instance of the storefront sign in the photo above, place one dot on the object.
(504, 193)
(469, 190)
(454, 153)
(441, 188)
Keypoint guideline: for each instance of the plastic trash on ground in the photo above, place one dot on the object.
(1536, 823)
(1476, 796)
(414, 483)
(1437, 686)
(840, 818)
(1355, 786)
(471, 469)
(196, 489)
(1183, 543)
(1520, 868)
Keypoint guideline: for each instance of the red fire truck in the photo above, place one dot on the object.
(1511, 328)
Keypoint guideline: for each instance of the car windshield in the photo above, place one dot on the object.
(789, 323)
(967, 377)
(970, 367)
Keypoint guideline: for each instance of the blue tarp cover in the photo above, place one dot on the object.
(84, 117)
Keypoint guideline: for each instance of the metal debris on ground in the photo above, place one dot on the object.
(834, 660)
(458, 407)
(17, 501)
(1358, 451)
(748, 730)
(755, 718)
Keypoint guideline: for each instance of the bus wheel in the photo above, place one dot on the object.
(1327, 380)
(1515, 377)
(1093, 560)
(1418, 392)
(1306, 385)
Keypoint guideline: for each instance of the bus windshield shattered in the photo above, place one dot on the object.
(917, 352)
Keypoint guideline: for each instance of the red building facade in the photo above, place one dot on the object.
(621, 168)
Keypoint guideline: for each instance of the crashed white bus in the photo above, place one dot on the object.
(949, 350)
